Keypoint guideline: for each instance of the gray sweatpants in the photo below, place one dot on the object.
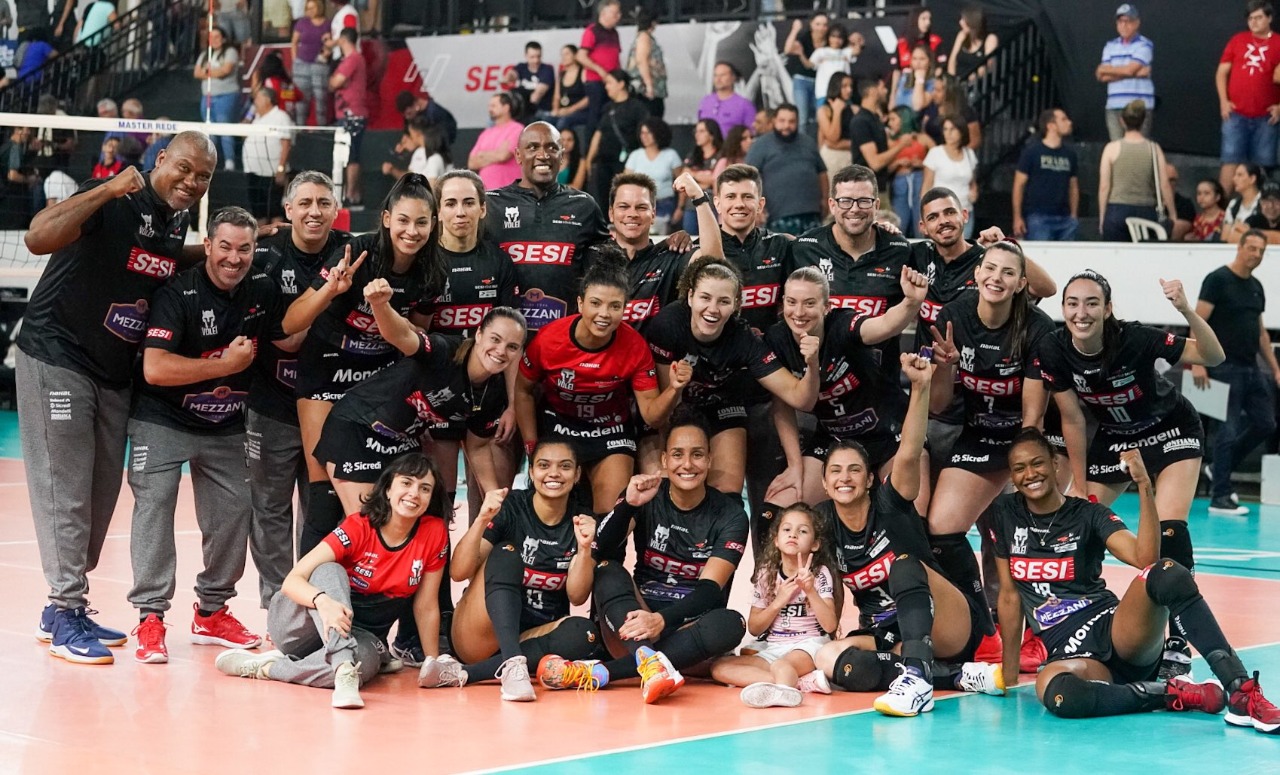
(73, 442)
(299, 633)
(273, 452)
(220, 483)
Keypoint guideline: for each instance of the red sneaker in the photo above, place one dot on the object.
(1185, 694)
(990, 650)
(1033, 653)
(150, 637)
(1248, 708)
(222, 629)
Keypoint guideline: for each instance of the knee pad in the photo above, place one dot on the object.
(906, 575)
(1175, 542)
(574, 638)
(1172, 586)
(720, 630)
(503, 568)
(611, 582)
(857, 670)
(1068, 696)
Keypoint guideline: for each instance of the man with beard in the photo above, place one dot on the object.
(795, 177)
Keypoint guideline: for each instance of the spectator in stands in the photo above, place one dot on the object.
(656, 158)
(1184, 210)
(570, 157)
(1126, 70)
(646, 65)
(867, 137)
(907, 168)
(20, 179)
(130, 109)
(724, 105)
(1046, 184)
(617, 135)
(1232, 301)
(801, 42)
(534, 80)
(410, 105)
(918, 31)
(310, 62)
(599, 54)
(109, 162)
(1247, 180)
(1267, 217)
(433, 157)
(219, 77)
(1212, 201)
(829, 61)
(913, 86)
(233, 16)
(36, 53)
(345, 17)
(1248, 97)
(266, 159)
(737, 144)
(948, 98)
(795, 178)
(107, 108)
(350, 86)
(58, 186)
(53, 147)
(94, 26)
(953, 165)
(1132, 167)
(833, 123)
(763, 122)
(156, 143)
(973, 45)
(701, 163)
(493, 157)
(572, 106)
(272, 74)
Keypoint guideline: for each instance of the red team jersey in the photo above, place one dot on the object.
(376, 569)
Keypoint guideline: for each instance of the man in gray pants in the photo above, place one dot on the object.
(113, 244)
(204, 329)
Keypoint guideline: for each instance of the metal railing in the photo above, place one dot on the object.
(149, 39)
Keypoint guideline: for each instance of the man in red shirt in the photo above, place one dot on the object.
(599, 53)
(1248, 97)
(350, 86)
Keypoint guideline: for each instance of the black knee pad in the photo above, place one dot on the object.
(504, 568)
(1172, 586)
(574, 638)
(906, 575)
(720, 630)
(1069, 696)
(612, 582)
(1175, 542)
(858, 670)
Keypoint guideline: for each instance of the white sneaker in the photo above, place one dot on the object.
(346, 686)
(243, 663)
(814, 683)
(908, 695)
(514, 674)
(768, 695)
(981, 678)
(441, 671)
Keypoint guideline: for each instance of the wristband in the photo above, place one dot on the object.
(317, 597)
(704, 199)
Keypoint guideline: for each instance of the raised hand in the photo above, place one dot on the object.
(918, 369)
(681, 373)
(685, 184)
(944, 347)
(126, 182)
(339, 279)
(642, 488)
(809, 346)
(1132, 460)
(377, 292)
(584, 530)
(1174, 292)
(915, 285)
(990, 236)
(239, 354)
(492, 503)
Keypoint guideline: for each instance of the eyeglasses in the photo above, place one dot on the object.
(863, 202)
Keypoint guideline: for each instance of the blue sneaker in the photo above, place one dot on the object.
(108, 636)
(73, 639)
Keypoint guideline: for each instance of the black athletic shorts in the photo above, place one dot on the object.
(590, 442)
(880, 446)
(887, 635)
(982, 450)
(723, 417)
(1179, 436)
(1087, 635)
(324, 375)
(357, 452)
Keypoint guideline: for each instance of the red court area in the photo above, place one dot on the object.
(185, 717)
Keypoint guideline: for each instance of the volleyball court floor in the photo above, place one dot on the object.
(185, 717)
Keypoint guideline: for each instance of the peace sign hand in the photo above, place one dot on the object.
(804, 577)
(944, 347)
(339, 278)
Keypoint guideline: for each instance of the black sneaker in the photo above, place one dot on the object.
(409, 651)
(1223, 506)
(1176, 660)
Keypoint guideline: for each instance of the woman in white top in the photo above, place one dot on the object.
(432, 158)
(954, 165)
(656, 158)
(1247, 182)
(830, 59)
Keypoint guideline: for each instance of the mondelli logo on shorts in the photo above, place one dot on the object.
(128, 321)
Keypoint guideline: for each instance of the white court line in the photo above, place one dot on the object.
(727, 733)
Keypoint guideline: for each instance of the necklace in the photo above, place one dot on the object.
(1044, 537)
(471, 394)
(1093, 354)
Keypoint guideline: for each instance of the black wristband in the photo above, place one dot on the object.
(317, 597)
(704, 199)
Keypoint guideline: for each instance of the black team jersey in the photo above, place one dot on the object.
(1129, 396)
(89, 311)
(545, 550)
(715, 364)
(893, 528)
(948, 281)
(853, 398)
(425, 389)
(988, 376)
(546, 239)
(672, 545)
(1055, 559)
(275, 372)
(478, 281)
(194, 318)
(761, 258)
(654, 272)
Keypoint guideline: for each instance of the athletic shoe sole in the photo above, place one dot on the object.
(888, 710)
(1239, 720)
(152, 659)
(209, 640)
(530, 697)
(64, 652)
(770, 695)
(47, 637)
(1238, 511)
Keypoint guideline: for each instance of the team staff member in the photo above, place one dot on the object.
(113, 243)
(293, 258)
(201, 338)
(343, 345)
(590, 367)
(544, 227)
(1103, 650)
(853, 400)
(704, 329)
(516, 608)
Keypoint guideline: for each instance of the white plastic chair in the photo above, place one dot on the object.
(1145, 230)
